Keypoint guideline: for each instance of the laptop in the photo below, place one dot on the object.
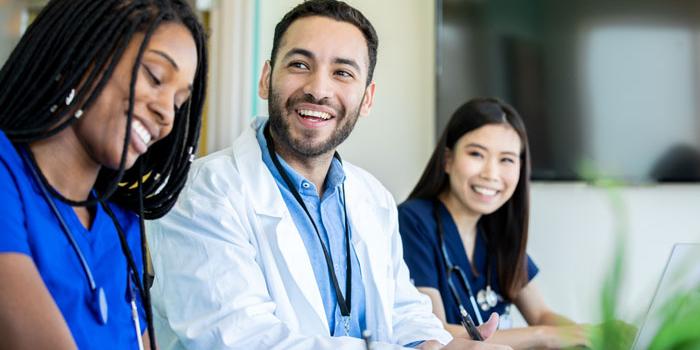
(681, 275)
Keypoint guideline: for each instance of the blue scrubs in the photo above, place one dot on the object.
(427, 268)
(28, 226)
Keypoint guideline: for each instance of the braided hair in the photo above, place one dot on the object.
(92, 37)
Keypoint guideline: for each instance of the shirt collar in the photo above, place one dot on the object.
(334, 178)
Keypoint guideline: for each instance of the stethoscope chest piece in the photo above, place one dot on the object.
(486, 298)
(99, 305)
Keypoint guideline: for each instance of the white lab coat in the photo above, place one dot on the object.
(232, 271)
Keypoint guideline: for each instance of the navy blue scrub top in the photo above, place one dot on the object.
(421, 251)
(28, 226)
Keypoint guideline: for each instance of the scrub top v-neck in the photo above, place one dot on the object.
(28, 226)
(427, 268)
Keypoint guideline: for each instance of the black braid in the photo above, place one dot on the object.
(168, 161)
(41, 71)
(77, 44)
(28, 135)
(93, 35)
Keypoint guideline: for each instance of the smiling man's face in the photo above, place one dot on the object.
(317, 88)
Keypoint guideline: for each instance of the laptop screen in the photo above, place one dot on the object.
(681, 275)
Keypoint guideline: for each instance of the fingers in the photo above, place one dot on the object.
(466, 344)
(489, 327)
(577, 335)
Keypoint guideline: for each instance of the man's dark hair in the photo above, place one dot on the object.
(338, 11)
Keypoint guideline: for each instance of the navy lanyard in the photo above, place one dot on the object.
(450, 268)
(344, 303)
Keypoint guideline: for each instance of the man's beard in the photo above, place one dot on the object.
(303, 146)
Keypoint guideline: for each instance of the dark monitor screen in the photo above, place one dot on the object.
(609, 88)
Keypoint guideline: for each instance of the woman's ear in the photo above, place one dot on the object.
(449, 159)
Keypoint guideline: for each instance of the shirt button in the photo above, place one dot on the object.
(305, 185)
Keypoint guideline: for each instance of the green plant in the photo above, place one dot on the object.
(680, 326)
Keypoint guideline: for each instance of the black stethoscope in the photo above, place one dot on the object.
(98, 305)
(485, 298)
(345, 303)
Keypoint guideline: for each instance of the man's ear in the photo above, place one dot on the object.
(264, 83)
(368, 100)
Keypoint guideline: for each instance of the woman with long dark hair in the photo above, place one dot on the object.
(465, 226)
(100, 112)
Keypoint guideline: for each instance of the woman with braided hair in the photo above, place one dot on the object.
(100, 112)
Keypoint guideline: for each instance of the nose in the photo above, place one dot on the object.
(163, 107)
(318, 85)
(489, 171)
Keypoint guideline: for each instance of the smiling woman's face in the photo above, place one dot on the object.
(484, 168)
(164, 84)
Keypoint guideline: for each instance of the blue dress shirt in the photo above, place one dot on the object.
(328, 214)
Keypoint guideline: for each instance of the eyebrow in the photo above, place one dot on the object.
(171, 61)
(349, 62)
(298, 51)
(476, 145)
(167, 58)
(306, 53)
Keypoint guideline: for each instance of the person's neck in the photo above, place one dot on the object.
(313, 169)
(465, 218)
(66, 165)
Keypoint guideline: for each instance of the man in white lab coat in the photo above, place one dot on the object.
(276, 243)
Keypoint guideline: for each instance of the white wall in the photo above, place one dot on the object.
(573, 231)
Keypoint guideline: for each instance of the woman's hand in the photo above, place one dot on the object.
(466, 343)
(558, 337)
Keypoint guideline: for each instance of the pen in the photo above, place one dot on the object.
(468, 324)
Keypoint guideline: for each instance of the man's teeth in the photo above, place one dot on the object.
(315, 114)
(141, 131)
(485, 191)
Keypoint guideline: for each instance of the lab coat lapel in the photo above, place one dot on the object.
(275, 220)
(368, 218)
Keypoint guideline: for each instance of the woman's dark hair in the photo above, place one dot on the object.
(76, 45)
(332, 9)
(506, 228)
(73, 47)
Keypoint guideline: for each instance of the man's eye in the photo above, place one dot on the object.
(299, 65)
(344, 74)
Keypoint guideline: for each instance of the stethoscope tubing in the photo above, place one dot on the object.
(460, 273)
(64, 226)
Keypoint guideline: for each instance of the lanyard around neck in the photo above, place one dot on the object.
(344, 303)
